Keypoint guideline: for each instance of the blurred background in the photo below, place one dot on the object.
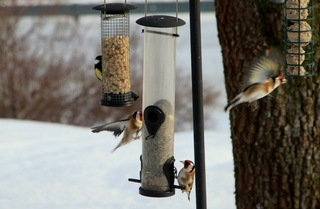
(47, 56)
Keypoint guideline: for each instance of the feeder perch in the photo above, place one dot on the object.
(115, 48)
(157, 169)
(298, 38)
(168, 167)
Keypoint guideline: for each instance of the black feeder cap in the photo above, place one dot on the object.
(160, 21)
(114, 8)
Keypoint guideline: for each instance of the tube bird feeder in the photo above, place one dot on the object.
(115, 48)
(298, 38)
(157, 161)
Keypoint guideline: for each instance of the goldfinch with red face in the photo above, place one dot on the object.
(130, 126)
(186, 176)
(259, 81)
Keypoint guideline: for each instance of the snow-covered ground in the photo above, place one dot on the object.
(46, 165)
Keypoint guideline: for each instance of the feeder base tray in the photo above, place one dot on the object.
(118, 100)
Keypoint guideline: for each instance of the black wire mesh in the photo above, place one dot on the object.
(115, 30)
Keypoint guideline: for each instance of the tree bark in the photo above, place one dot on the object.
(276, 147)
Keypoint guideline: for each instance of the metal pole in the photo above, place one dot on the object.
(197, 99)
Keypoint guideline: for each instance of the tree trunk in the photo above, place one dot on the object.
(276, 147)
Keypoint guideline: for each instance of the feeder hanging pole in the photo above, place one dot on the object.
(197, 99)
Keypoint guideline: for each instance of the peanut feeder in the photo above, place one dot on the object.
(115, 48)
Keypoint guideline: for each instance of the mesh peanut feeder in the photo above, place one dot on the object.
(298, 37)
(115, 48)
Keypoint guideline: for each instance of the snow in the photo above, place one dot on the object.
(46, 165)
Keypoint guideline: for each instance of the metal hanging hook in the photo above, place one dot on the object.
(104, 8)
(145, 7)
(176, 10)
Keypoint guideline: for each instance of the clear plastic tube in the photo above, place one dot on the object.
(158, 93)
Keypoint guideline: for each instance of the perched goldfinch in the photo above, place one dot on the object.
(98, 67)
(131, 127)
(186, 176)
(259, 81)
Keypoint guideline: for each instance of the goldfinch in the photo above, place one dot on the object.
(130, 126)
(186, 176)
(259, 81)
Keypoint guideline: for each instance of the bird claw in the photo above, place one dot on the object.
(137, 136)
(175, 172)
(183, 188)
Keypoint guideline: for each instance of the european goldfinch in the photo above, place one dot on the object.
(259, 81)
(186, 176)
(130, 126)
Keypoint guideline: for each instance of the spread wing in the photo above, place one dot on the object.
(117, 127)
(261, 69)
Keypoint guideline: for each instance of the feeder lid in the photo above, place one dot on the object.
(160, 21)
(115, 8)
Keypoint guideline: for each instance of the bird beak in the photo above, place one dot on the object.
(282, 79)
(182, 162)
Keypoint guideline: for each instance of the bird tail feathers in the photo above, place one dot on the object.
(121, 143)
(116, 147)
(233, 103)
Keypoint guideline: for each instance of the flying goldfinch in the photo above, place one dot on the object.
(259, 81)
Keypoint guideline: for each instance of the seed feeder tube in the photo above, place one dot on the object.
(157, 168)
(298, 38)
(115, 48)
